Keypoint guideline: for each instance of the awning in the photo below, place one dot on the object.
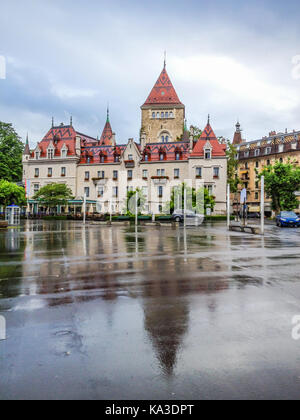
(254, 209)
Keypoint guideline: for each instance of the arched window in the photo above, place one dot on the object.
(166, 139)
(161, 156)
(177, 155)
(153, 114)
(171, 114)
(162, 115)
(163, 139)
(157, 115)
(166, 115)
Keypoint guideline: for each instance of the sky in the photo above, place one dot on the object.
(231, 59)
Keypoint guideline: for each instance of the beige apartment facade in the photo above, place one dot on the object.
(253, 156)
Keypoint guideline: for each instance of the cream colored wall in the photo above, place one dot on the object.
(219, 184)
(56, 164)
(153, 126)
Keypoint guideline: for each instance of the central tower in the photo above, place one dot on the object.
(162, 114)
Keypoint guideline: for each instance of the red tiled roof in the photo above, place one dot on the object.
(208, 135)
(169, 149)
(107, 134)
(59, 136)
(95, 152)
(163, 91)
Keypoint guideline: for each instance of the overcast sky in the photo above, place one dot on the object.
(232, 59)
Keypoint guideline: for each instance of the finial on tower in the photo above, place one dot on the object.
(165, 59)
(52, 122)
(27, 142)
(107, 118)
(208, 119)
(71, 121)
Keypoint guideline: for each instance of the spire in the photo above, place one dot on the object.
(26, 149)
(237, 138)
(71, 121)
(163, 91)
(107, 118)
(208, 120)
(107, 134)
(52, 122)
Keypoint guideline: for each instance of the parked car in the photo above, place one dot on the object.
(178, 216)
(253, 215)
(287, 218)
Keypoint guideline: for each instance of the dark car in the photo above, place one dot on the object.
(287, 218)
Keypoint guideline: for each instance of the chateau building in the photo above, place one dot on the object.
(254, 155)
(104, 170)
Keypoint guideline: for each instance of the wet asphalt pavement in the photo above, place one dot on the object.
(110, 313)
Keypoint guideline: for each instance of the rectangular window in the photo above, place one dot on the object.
(101, 174)
(207, 154)
(115, 175)
(257, 184)
(216, 172)
(209, 189)
(63, 153)
(246, 153)
(87, 176)
(256, 196)
(87, 191)
(176, 173)
(49, 172)
(50, 153)
(145, 191)
(145, 173)
(257, 164)
(158, 172)
(100, 191)
(160, 191)
(130, 157)
(36, 172)
(36, 188)
(63, 171)
(257, 152)
(198, 172)
(129, 174)
(115, 192)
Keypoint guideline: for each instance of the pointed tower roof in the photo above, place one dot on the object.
(163, 92)
(107, 133)
(27, 149)
(237, 139)
(208, 135)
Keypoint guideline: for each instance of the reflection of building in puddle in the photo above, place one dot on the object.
(12, 240)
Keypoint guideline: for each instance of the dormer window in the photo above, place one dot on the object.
(162, 156)
(268, 150)
(50, 153)
(37, 155)
(257, 152)
(116, 158)
(130, 157)
(207, 154)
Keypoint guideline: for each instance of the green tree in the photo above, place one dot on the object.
(232, 167)
(141, 202)
(195, 199)
(11, 149)
(196, 131)
(10, 193)
(282, 180)
(53, 195)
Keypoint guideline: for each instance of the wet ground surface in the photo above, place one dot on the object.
(111, 313)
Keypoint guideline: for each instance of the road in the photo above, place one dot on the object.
(101, 312)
